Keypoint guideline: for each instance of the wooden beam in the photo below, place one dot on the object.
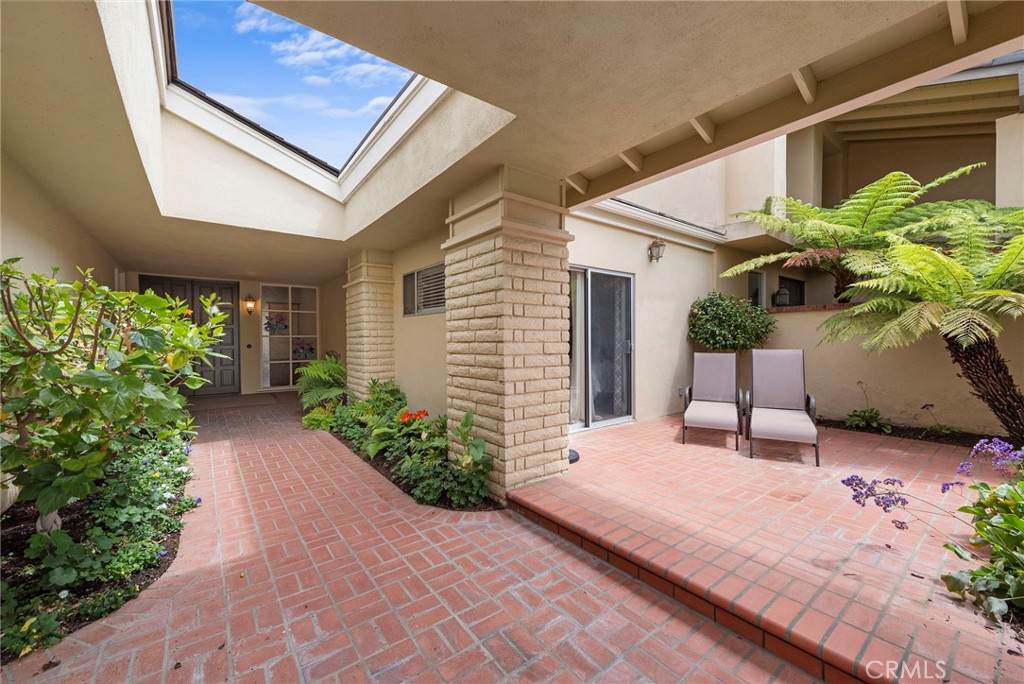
(984, 86)
(918, 122)
(579, 182)
(705, 127)
(1008, 101)
(958, 20)
(633, 159)
(941, 132)
(806, 83)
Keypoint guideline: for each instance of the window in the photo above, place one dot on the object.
(795, 289)
(290, 337)
(423, 290)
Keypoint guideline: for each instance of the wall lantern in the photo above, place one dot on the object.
(250, 305)
(656, 250)
(781, 297)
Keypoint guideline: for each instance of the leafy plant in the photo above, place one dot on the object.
(86, 372)
(723, 322)
(868, 419)
(939, 428)
(824, 237)
(321, 383)
(318, 418)
(950, 269)
(997, 516)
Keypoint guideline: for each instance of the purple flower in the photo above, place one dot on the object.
(199, 500)
(965, 468)
(893, 482)
(900, 524)
(991, 447)
(162, 552)
(886, 499)
(145, 461)
(946, 486)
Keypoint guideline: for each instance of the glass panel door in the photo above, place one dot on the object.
(610, 342)
(578, 396)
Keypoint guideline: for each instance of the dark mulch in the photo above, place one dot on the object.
(18, 524)
(964, 439)
(386, 469)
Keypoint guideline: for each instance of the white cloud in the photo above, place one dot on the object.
(314, 80)
(252, 18)
(369, 74)
(311, 49)
(372, 108)
(256, 108)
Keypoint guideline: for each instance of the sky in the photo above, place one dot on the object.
(312, 90)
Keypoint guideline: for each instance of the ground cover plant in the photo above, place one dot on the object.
(94, 428)
(995, 512)
(411, 448)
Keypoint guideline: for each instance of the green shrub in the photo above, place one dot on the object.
(868, 419)
(86, 373)
(318, 418)
(723, 322)
(321, 383)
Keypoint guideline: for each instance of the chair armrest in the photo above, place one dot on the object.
(687, 394)
(812, 408)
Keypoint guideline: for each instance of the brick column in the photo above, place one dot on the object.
(369, 320)
(507, 326)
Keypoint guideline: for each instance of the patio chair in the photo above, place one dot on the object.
(778, 406)
(713, 400)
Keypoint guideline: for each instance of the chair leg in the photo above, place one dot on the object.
(751, 447)
(684, 433)
(737, 440)
(817, 461)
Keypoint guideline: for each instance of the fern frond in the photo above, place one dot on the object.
(1010, 262)
(967, 326)
(952, 175)
(756, 263)
(999, 302)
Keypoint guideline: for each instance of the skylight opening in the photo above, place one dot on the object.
(308, 92)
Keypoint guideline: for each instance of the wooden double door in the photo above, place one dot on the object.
(222, 371)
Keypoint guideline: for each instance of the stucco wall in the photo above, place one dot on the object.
(664, 291)
(898, 382)
(818, 287)
(332, 316)
(35, 227)
(926, 159)
(420, 339)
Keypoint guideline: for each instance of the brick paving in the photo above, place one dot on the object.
(304, 564)
(774, 549)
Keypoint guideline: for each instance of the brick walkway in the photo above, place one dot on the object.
(774, 549)
(303, 564)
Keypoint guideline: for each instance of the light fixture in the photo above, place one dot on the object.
(250, 305)
(781, 297)
(656, 250)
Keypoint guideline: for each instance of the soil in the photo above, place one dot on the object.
(18, 524)
(964, 439)
(385, 469)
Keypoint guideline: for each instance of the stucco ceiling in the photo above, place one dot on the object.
(584, 81)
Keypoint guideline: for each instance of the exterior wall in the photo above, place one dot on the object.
(332, 317)
(753, 175)
(36, 228)
(818, 287)
(663, 293)
(420, 338)
(926, 159)
(898, 382)
(1010, 161)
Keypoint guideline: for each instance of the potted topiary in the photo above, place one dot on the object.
(724, 322)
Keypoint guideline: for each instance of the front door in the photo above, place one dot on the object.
(222, 372)
(601, 347)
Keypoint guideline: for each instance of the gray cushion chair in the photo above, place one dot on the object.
(713, 400)
(778, 406)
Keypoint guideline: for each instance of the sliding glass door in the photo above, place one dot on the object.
(601, 347)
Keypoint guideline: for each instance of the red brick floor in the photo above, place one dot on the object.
(774, 549)
(303, 564)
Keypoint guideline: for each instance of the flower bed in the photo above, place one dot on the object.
(112, 545)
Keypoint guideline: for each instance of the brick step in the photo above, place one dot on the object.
(767, 630)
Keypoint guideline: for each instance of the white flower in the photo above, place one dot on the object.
(161, 507)
(168, 495)
(182, 469)
(63, 594)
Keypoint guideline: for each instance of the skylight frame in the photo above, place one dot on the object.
(171, 66)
